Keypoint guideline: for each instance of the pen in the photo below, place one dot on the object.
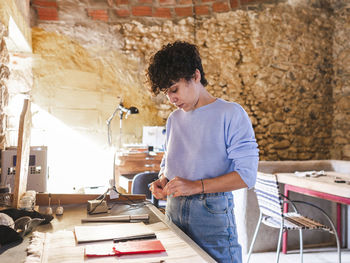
(340, 181)
(138, 237)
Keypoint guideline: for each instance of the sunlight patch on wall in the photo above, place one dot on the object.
(15, 40)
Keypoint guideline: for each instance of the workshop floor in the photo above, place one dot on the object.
(324, 255)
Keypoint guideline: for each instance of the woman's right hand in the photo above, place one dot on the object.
(157, 187)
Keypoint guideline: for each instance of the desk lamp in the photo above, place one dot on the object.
(122, 110)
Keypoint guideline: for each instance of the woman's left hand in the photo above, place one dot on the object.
(182, 187)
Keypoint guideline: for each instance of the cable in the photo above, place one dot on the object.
(103, 196)
(133, 204)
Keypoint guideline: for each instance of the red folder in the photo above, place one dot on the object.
(125, 248)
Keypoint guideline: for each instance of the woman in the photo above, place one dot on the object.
(210, 150)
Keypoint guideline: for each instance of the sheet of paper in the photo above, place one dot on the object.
(109, 232)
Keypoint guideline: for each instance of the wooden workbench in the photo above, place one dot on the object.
(74, 213)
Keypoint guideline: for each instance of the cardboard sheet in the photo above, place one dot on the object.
(109, 232)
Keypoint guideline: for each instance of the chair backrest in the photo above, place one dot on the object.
(268, 195)
(141, 181)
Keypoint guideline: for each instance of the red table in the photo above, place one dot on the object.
(322, 187)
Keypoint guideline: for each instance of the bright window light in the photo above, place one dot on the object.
(75, 160)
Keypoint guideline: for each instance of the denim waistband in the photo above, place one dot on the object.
(201, 196)
(216, 194)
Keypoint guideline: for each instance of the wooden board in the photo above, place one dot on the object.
(23, 150)
(65, 199)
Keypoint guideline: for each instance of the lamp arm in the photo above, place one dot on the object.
(112, 116)
(108, 121)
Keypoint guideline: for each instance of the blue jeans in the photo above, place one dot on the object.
(209, 220)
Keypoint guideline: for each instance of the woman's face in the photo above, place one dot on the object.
(185, 94)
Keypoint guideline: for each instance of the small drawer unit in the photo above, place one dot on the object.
(139, 162)
(37, 170)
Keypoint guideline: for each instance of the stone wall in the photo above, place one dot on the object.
(341, 80)
(4, 74)
(15, 63)
(275, 60)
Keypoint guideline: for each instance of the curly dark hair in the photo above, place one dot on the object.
(173, 62)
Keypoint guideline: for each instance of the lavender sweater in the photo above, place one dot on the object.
(210, 141)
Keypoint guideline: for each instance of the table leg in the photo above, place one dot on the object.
(339, 224)
(285, 233)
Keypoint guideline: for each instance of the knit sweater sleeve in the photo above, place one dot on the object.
(242, 148)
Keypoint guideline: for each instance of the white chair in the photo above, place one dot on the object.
(271, 214)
